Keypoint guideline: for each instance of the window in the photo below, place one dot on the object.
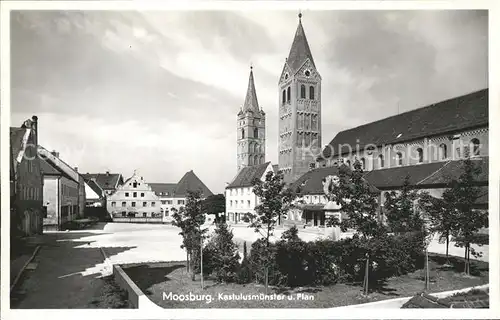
(230, 203)
(153, 204)
(363, 163)
(399, 158)
(144, 214)
(302, 91)
(144, 204)
(142, 194)
(163, 202)
(475, 145)
(180, 201)
(255, 133)
(381, 161)
(443, 152)
(133, 203)
(169, 201)
(124, 214)
(311, 93)
(242, 133)
(420, 155)
(113, 204)
(284, 97)
(134, 185)
(135, 194)
(288, 94)
(124, 204)
(126, 194)
(248, 203)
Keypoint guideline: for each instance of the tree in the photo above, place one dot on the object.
(275, 200)
(462, 196)
(226, 257)
(190, 218)
(359, 203)
(215, 204)
(400, 210)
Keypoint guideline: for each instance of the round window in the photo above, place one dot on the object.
(307, 73)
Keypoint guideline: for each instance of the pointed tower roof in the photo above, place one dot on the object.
(251, 102)
(300, 50)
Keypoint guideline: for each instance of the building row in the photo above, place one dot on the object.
(46, 193)
(427, 144)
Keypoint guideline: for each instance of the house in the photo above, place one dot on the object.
(134, 201)
(60, 195)
(26, 182)
(173, 195)
(52, 157)
(240, 199)
(109, 182)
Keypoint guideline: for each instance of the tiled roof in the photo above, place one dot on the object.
(247, 175)
(95, 187)
(251, 102)
(47, 168)
(311, 182)
(460, 113)
(107, 181)
(190, 182)
(16, 140)
(426, 174)
(166, 189)
(300, 51)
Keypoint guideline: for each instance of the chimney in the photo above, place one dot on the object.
(76, 169)
(34, 126)
(55, 154)
(107, 173)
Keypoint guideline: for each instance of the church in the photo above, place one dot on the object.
(427, 144)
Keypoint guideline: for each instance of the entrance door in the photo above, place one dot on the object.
(315, 219)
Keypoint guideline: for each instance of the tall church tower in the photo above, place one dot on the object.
(299, 109)
(251, 129)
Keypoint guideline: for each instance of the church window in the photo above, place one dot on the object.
(261, 159)
(399, 158)
(307, 73)
(284, 97)
(420, 155)
(311, 93)
(443, 152)
(242, 133)
(255, 133)
(381, 161)
(288, 94)
(475, 146)
(302, 91)
(250, 161)
(363, 163)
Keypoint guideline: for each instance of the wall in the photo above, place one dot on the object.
(70, 199)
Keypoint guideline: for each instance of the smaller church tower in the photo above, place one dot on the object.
(251, 129)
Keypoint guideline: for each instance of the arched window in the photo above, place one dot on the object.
(256, 161)
(250, 161)
(363, 163)
(302, 91)
(284, 96)
(261, 159)
(288, 94)
(255, 132)
(420, 155)
(348, 163)
(475, 145)
(242, 133)
(443, 152)
(399, 158)
(381, 161)
(311, 92)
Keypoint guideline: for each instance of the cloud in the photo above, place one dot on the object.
(159, 91)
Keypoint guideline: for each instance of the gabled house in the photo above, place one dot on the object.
(107, 181)
(95, 196)
(240, 199)
(26, 180)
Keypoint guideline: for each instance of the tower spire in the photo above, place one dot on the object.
(300, 50)
(251, 102)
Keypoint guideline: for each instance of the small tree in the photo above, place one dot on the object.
(275, 200)
(359, 203)
(226, 256)
(462, 196)
(215, 204)
(400, 210)
(190, 218)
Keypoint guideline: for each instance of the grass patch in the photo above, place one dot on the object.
(110, 296)
(157, 279)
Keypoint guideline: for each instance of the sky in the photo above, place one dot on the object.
(159, 91)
